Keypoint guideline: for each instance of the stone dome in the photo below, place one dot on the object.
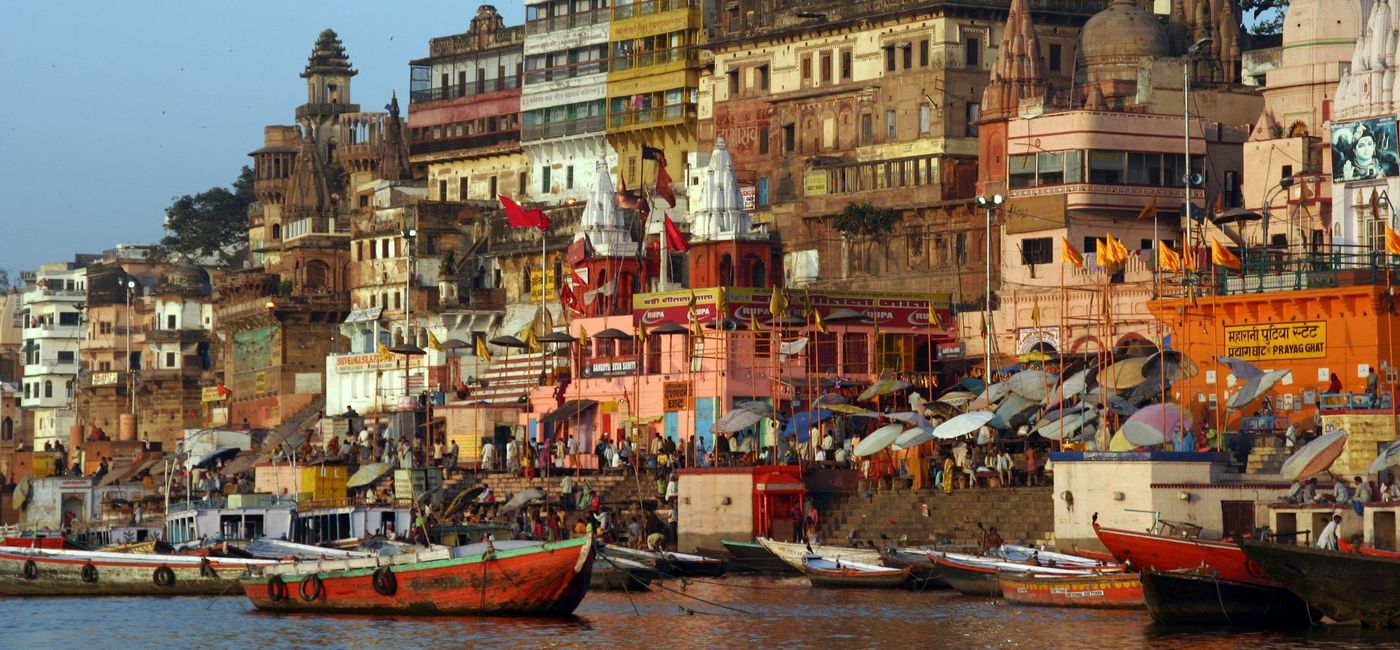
(183, 278)
(1115, 40)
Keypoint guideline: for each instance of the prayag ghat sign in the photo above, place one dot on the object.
(1267, 342)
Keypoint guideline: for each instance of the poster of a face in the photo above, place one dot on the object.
(1364, 149)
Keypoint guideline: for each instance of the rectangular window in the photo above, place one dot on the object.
(972, 51)
(442, 190)
(826, 68)
(569, 177)
(1055, 55)
(925, 118)
(889, 58)
(494, 189)
(806, 68)
(972, 114)
(763, 191)
(1036, 251)
(170, 321)
(1050, 168)
(65, 356)
(762, 140)
(960, 247)
(1020, 170)
(889, 125)
(846, 65)
(1141, 166)
(923, 53)
(763, 77)
(1106, 167)
(169, 359)
(68, 318)
(1074, 166)
(462, 189)
(733, 76)
(867, 128)
(522, 183)
(856, 352)
(789, 137)
(544, 180)
(908, 56)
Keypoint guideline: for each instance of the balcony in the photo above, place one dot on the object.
(570, 21)
(50, 367)
(688, 55)
(659, 116)
(495, 139)
(650, 8)
(569, 71)
(309, 110)
(460, 91)
(578, 126)
(177, 336)
(308, 226)
(50, 331)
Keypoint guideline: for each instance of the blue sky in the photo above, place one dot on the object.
(115, 108)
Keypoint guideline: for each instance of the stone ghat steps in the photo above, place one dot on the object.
(1021, 515)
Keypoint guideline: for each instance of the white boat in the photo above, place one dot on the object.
(61, 572)
(792, 553)
(828, 572)
(1017, 553)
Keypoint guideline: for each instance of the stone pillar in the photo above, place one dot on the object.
(126, 427)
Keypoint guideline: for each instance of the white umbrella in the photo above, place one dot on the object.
(878, 440)
(1254, 388)
(1241, 369)
(883, 387)
(913, 437)
(367, 474)
(1123, 375)
(992, 394)
(910, 418)
(1389, 456)
(1069, 387)
(1030, 384)
(1068, 425)
(758, 406)
(963, 424)
(1010, 407)
(957, 398)
(738, 420)
(1316, 456)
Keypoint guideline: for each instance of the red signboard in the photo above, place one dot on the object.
(743, 304)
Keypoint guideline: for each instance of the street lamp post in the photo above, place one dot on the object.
(1191, 54)
(408, 235)
(130, 378)
(989, 205)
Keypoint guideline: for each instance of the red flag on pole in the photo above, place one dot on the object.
(663, 181)
(568, 299)
(521, 218)
(675, 239)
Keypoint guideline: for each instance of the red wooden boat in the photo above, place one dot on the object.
(504, 578)
(1114, 590)
(1099, 556)
(1143, 551)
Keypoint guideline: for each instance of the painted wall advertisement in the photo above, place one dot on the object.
(1273, 341)
(1365, 149)
(678, 395)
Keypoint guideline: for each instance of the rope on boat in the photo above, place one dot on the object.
(713, 604)
(219, 595)
(625, 577)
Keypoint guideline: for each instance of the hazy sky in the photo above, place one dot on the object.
(115, 108)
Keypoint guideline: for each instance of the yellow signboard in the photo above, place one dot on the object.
(104, 378)
(1271, 341)
(212, 394)
(814, 183)
(550, 286)
(678, 395)
(373, 361)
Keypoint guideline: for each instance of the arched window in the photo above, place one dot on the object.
(48, 388)
(726, 271)
(317, 275)
(7, 429)
(760, 274)
(525, 286)
(277, 231)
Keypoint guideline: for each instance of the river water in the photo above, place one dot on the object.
(776, 613)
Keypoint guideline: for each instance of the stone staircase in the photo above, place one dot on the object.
(1266, 458)
(510, 377)
(1021, 514)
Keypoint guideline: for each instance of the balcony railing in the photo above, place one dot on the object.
(458, 91)
(1267, 270)
(623, 11)
(560, 129)
(554, 24)
(656, 57)
(464, 142)
(311, 226)
(569, 71)
(652, 116)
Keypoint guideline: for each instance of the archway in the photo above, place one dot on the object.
(317, 275)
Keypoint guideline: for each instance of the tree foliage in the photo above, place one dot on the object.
(211, 224)
(865, 220)
(1263, 17)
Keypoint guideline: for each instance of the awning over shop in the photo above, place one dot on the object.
(778, 483)
(367, 474)
(125, 472)
(570, 409)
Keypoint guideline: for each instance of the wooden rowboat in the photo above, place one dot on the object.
(481, 579)
(1196, 597)
(825, 572)
(792, 553)
(975, 575)
(1344, 586)
(1145, 550)
(1114, 590)
(752, 556)
(61, 572)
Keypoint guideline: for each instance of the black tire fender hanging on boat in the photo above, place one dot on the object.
(276, 589)
(315, 582)
(385, 582)
(206, 569)
(89, 572)
(31, 570)
(164, 576)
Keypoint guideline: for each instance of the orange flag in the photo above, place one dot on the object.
(1392, 241)
(1189, 255)
(1071, 254)
(1168, 259)
(1120, 252)
(1222, 256)
(1149, 210)
(1105, 256)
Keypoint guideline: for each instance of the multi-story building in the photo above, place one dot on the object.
(464, 112)
(653, 80)
(831, 105)
(53, 303)
(563, 98)
(14, 427)
(1288, 162)
(1365, 160)
(1102, 156)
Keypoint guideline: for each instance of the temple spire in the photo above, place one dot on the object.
(1018, 72)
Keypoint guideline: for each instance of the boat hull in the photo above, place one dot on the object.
(1344, 586)
(1099, 591)
(1192, 598)
(1164, 553)
(706, 568)
(67, 574)
(608, 577)
(544, 580)
(792, 553)
(968, 580)
(857, 580)
(923, 573)
(750, 556)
